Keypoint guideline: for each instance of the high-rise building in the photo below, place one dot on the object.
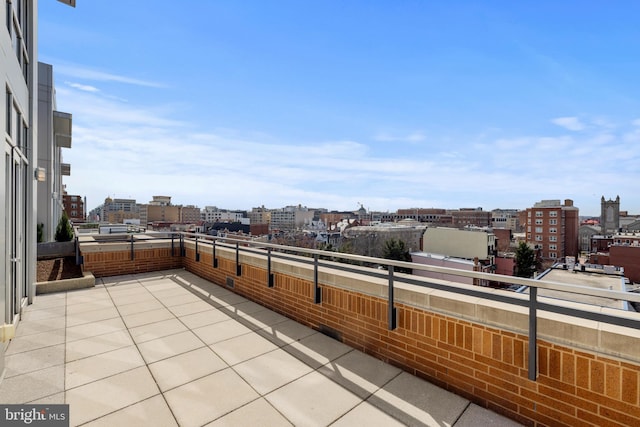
(552, 228)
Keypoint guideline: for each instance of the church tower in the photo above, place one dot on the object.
(610, 215)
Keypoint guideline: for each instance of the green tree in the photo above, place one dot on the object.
(396, 249)
(40, 230)
(64, 232)
(525, 261)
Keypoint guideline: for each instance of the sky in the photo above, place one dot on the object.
(332, 104)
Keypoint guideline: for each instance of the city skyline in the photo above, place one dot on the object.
(392, 105)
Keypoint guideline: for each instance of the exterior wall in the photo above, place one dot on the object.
(471, 217)
(505, 266)
(439, 261)
(553, 228)
(74, 207)
(190, 214)
(18, 123)
(476, 350)
(627, 257)
(610, 215)
(503, 239)
(458, 243)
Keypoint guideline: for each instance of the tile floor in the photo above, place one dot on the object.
(171, 349)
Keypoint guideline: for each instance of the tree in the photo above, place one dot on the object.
(64, 232)
(525, 261)
(396, 249)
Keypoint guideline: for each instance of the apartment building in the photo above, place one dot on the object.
(74, 207)
(115, 211)
(553, 227)
(291, 217)
(260, 215)
(505, 218)
(213, 214)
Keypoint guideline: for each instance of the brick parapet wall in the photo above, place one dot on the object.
(477, 360)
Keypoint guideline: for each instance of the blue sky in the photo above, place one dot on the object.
(392, 104)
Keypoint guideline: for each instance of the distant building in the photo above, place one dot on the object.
(610, 215)
(260, 215)
(471, 217)
(213, 214)
(115, 211)
(585, 235)
(291, 217)
(505, 218)
(74, 207)
(464, 244)
(552, 228)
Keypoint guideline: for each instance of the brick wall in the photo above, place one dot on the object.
(484, 364)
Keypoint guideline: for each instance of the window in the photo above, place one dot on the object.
(553, 255)
(553, 239)
(538, 238)
(553, 230)
(528, 236)
(538, 214)
(538, 222)
(538, 229)
(553, 213)
(529, 214)
(553, 247)
(9, 107)
(553, 222)
(529, 228)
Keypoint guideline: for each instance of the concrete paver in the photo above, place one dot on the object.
(171, 349)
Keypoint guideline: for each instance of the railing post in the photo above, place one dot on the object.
(132, 251)
(197, 253)
(215, 260)
(392, 310)
(269, 274)
(172, 248)
(79, 258)
(183, 250)
(317, 291)
(533, 333)
(238, 266)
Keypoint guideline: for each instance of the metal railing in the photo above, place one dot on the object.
(314, 257)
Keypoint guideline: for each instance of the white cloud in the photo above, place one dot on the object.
(82, 87)
(569, 123)
(412, 137)
(82, 72)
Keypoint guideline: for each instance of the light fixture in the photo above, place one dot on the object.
(40, 174)
(71, 3)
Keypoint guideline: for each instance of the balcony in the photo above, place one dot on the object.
(533, 359)
(62, 123)
(170, 348)
(65, 169)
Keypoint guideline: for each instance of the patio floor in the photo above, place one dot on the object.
(169, 348)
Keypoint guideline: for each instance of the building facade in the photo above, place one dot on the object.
(610, 215)
(471, 217)
(552, 228)
(18, 186)
(74, 207)
(54, 134)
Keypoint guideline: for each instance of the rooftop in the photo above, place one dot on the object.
(170, 348)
